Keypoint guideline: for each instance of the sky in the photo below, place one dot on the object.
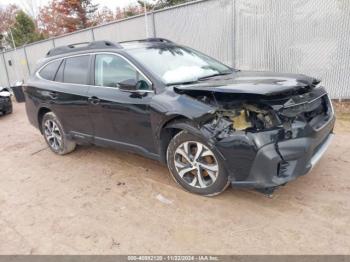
(112, 4)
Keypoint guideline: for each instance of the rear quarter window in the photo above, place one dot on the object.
(76, 70)
(48, 72)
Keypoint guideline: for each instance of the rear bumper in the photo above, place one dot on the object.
(293, 158)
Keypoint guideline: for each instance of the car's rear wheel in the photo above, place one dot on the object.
(54, 135)
(195, 166)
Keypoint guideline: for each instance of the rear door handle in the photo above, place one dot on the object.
(94, 100)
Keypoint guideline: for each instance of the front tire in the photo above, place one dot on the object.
(55, 136)
(195, 165)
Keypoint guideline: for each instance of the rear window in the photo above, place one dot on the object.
(49, 71)
(76, 70)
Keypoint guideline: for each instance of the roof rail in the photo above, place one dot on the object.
(152, 40)
(81, 47)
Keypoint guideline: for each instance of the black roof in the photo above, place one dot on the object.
(100, 45)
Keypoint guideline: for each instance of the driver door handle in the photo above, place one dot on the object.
(94, 100)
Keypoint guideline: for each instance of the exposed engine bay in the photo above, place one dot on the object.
(250, 113)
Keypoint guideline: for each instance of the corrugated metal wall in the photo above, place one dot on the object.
(3, 75)
(206, 26)
(301, 36)
(125, 30)
(16, 64)
(36, 52)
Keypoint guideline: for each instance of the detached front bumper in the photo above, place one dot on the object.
(274, 166)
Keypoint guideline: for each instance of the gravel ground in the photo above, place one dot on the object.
(100, 201)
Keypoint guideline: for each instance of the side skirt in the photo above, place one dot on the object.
(103, 142)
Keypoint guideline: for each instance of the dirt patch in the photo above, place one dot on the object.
(342, 111)
(341, 107)
(101, 201)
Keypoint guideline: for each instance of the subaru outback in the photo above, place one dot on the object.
(212, 125)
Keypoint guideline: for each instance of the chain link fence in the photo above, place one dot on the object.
(299, 36)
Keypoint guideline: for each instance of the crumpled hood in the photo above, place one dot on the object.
(250, 82)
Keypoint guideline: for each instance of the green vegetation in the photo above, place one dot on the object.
(23, 31)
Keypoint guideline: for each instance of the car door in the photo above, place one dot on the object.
(121, 117)
(67, 95)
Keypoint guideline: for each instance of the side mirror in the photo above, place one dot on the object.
(132, 85)
(127, 85)
(142, 85)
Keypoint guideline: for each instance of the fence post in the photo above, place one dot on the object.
(234, 33)
(6, 71)
(92, 34)
(154, 26)
(27, 61)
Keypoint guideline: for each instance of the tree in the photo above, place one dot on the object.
(149, 6)
(132, 10)
(65, 16)
(105, 15)
(7, 17)
(23, 31)
(7, 20)
(155, 5)
(166, 3)
(79, 13)
(52, 19)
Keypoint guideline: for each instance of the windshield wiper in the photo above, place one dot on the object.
(199, 79)
(210, 76)
(182, 83)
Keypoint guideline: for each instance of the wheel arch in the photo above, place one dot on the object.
(170, 128)
(41, 112)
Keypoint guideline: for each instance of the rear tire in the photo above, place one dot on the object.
(196, 166)
(55, 136)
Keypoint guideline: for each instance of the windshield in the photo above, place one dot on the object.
(176, 65)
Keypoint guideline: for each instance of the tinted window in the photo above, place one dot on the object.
(76, 70)
(49, 71)
(112, 71)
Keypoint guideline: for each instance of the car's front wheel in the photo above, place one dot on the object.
(195, 166)
(54, 135)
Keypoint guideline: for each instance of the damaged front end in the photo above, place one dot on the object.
(267, 141)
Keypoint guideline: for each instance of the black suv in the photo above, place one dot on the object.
(211, 124)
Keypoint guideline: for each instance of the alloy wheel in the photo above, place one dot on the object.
(53, 134)
(196, 164)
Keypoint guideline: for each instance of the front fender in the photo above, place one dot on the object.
(168, 106)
